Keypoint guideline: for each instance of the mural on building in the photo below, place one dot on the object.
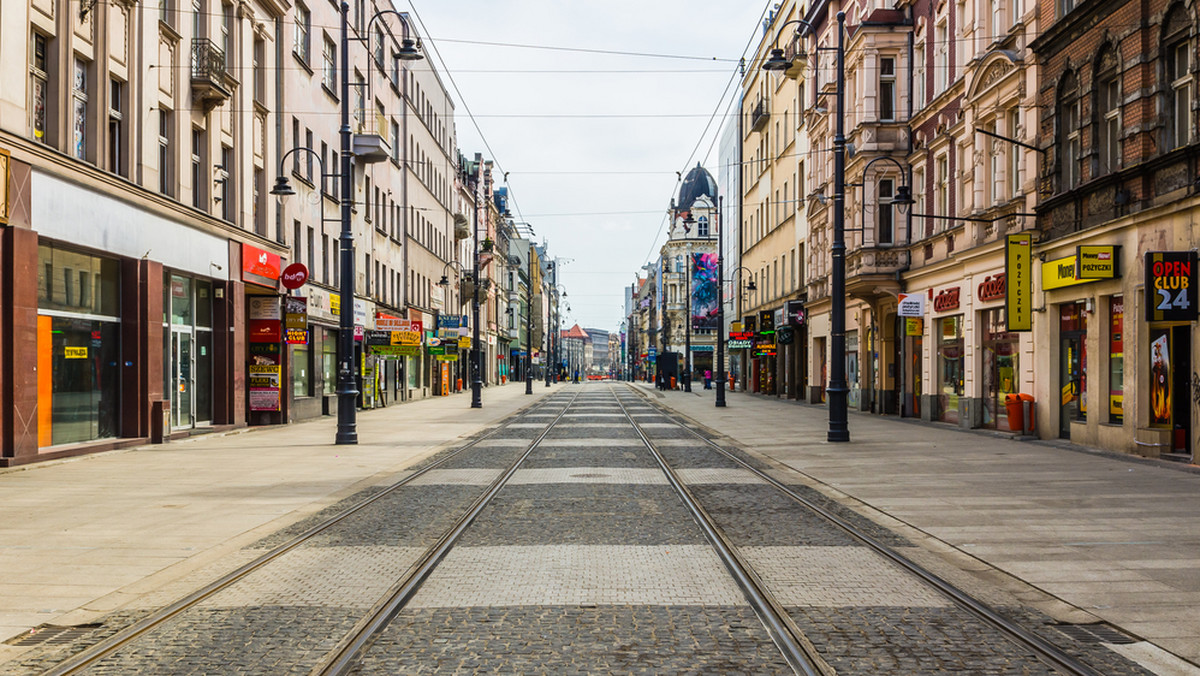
(704, 291)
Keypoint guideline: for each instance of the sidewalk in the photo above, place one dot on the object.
(1113, 535)
(86, 536)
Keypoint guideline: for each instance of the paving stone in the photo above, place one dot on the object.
(588, 475)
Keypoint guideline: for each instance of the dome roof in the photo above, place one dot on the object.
(697, 182)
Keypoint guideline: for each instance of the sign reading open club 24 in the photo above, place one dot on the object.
(1171, 286)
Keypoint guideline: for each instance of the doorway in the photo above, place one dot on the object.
(183, 391)
(1072, 367)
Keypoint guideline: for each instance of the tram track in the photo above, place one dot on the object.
(1050, 654)
(93, 655)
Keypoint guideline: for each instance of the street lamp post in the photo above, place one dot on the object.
(476, 376)
(529, 326)
(720, 401)
(347, 390)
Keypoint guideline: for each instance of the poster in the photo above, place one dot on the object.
(704, 291)
(1160, 381)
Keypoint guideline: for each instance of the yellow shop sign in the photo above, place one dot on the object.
(1097, 262)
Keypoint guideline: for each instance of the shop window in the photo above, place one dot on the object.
(329, 361)
(301, 369)
(1116, 360)
(951, 385)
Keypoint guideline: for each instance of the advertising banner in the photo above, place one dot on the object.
(1170, 286)
(260, 267)
(295, 312)
(1097, 262)
(704, 291)
(1018, 280)
(911, 305)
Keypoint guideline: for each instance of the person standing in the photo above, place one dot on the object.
(707, 379)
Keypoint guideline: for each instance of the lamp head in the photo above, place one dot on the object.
(444, 281)
(409, 50)
(776, 61)
(282, 188)
(903, 198)
(751, 286)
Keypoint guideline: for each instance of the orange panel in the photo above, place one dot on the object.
(45, 381)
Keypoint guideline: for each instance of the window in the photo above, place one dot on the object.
(1179, 81)
(329, 65)
(1108, 113)
(296, 251)
(324, 258)
(39, 82)
(1068, 133)
(702, 227)
(198, 173)
(312, 250)
(887, 89)
(260, 211)
(1065, 7)
(995, 153)
(379, 50)
(1116, 359)
(308, 157)
(918, 207)
(941, 190)
(227, 36)
(166, 12)
(919, 75)
(300, 43)
(166, 152)
(116, 128)
(260, 63)
(887, 227)
(79, 118)
(998, 27)
(225, 176)
(941, 65)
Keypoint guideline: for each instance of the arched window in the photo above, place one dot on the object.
(1068, 144)
(1108, 111)
(702, 227)
(1178, 89)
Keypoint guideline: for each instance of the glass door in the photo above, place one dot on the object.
(183, 391)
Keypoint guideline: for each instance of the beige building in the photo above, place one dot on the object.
(774, 237)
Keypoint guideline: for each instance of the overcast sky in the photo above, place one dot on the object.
(591, 156)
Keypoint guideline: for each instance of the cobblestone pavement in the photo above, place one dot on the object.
(586, 561)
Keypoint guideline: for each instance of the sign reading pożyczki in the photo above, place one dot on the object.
(1018, 281)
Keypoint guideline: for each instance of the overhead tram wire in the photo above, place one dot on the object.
(732, 79)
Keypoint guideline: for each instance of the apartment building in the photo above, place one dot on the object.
(135, 229)
(689, 276)
(773, 237)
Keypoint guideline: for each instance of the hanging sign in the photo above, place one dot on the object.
(296, 336)
(911, 305)
(1018, 282)
(796, 315)
(1097, 262)
(295, 312)
(294, 276)
(1171, 286)
(740, 344)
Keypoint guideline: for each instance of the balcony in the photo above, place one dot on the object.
(210, 85)
(871, 271)
(759, 116)
(795, 57)
(370, 142)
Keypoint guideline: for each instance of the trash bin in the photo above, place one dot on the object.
(672, 382)
(1027, 409)
(1016, 417)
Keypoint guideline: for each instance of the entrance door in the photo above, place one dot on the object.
(1072, 379)
(1181, 420)
(183, 390)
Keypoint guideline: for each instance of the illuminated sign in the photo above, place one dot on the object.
(1171, 286)
(297, 336)
(1060, 273)
(260, 267)
(75, 352)
(992, 288)
(740, 344)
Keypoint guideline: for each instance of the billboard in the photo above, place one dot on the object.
(704, 291)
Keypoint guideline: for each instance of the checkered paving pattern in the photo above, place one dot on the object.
(588, 475)
(708, 475)
(457, 477)
(574, 575)
(838, 576)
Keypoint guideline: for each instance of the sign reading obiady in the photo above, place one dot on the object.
(1018, 275)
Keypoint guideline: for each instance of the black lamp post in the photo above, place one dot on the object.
(347, 390)
(529, 326)
(476, 375)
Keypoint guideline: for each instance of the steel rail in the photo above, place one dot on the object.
(1047, 651)
(341, 660)
(126, 636)
(796, 649)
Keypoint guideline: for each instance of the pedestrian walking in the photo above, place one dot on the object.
(707, 379)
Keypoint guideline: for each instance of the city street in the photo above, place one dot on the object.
(584, 562)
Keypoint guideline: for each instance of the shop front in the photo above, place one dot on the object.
(188, 349)
(951, 357)
(1171, 311)
(1000, 371)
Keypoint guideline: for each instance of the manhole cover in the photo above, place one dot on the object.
(1095, 633)
(51, 634)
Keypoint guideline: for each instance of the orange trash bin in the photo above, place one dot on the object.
(1016, 417)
